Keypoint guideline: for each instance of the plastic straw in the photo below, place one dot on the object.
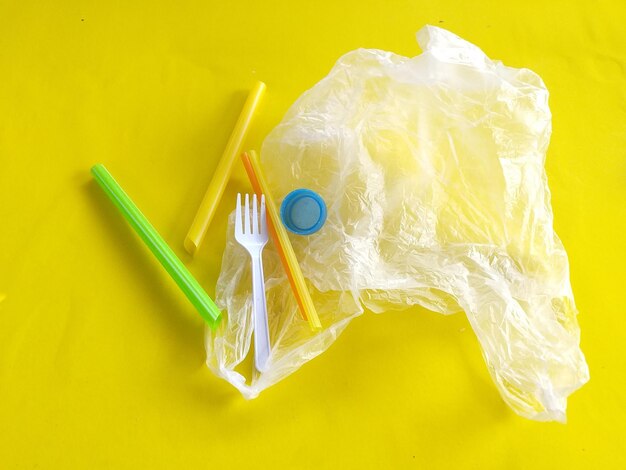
(281, 241)
(187, 283)
(214, 193)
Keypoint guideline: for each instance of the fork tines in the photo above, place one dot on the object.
(253, 224)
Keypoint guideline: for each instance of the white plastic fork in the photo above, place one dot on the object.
(253, 237)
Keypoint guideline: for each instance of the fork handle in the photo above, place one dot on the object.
(259, 310)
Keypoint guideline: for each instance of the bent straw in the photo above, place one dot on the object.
(175, 268)
(218, 183)
(281, 241)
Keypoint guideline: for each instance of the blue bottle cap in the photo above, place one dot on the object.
(303, 212)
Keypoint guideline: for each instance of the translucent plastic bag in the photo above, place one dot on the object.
(432, 170)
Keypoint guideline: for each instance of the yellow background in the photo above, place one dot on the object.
(101, 358)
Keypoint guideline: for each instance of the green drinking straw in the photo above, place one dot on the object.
(176, 269)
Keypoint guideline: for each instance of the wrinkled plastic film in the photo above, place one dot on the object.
(432, 169)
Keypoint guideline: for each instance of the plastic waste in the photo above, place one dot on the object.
(303, 212)
(432, 168)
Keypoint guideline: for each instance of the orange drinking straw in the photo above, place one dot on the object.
(281, 241)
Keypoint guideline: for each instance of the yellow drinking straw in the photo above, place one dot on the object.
(214, 193)
(281, 240)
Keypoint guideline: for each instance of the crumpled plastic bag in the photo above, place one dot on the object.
(432, 168)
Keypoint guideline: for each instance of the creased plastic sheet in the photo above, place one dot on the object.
(432, 168)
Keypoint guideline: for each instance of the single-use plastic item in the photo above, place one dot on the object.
(281, 241)
(303, 211)
(252, 235)
(432, 168)
(214, 193)
(175, 268)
